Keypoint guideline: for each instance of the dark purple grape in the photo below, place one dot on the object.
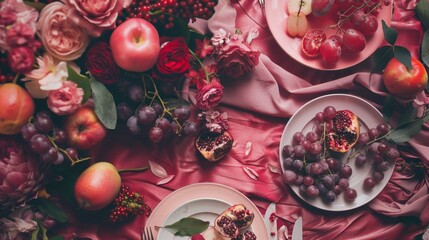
(373, 133)
(383, 129)
(289, 177)
(174, 126)
(182, 113)
(40, 143)
(299, 179)
(328, 181)
(305, 143)
(287, 151)
(145, 115)
(392, 154)
(308, 180)
(60, 136)
(133, 126)
(350, 194)
(158, 108)
(329, 113)
(136, 93)
(124, 111)
(287, 163)
(190, 128)
(315, 148)
(343, 183)
(337, 189)
(312, 137)
(316, 168)
(72, 152)
(383, 166)
(43, 122)
(360, 160)
(297, 137)
(298, 151)
(302, 189)
(312, 191)
(322, 188)
(369, 183)
(163, 123)
(333, 164)
(345, 171)
(382, 148)
(319, 117)
(28, 131)
(297, 164)
(377, 176)
(330, 196)
(49, 156)
(59, 160)
(373, 148)
(156, 134)
(363, 138)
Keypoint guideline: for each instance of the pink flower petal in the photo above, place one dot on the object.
(273, 168)
(251, 173)
(248, 148)
(165, 180)
(157, 169)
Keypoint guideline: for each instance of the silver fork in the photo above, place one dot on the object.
(147, 235)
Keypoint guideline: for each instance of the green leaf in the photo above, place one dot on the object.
(425, 48)
(422, 11)
(49, 208)
(408, 115)
(390, 34)
(35, 233)
(105, 107)
(81, 81)
(381, 57)
(44, 230)
(188, 226)
(403, 55)
(406, 131)
(388, 107)
(57, 238)
(180, 29)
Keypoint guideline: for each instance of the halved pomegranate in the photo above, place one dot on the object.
(214, 146)
(344, 132)
(232, 220)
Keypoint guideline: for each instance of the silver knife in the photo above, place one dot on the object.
(270, 222)
(297, 229)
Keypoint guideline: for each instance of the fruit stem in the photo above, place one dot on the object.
(73, 162)
(15, 79)
(344, 17)
(133, 169)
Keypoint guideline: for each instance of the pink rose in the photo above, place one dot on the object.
(21, 35)
(21, 59)
(65, 100)
(236, 58)
(95, 15)
(61, 37)
(209, 95)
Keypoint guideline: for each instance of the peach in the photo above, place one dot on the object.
(97, 186)
(17, 106)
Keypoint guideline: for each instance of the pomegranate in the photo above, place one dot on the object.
(344, 132)
(214, 146)
(232, 220)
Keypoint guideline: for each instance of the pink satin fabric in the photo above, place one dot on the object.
(258, 107)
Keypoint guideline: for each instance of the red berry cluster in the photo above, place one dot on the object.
(128, 204)
(160, 13)
(6, 74)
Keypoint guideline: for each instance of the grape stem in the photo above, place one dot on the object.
(73, 161)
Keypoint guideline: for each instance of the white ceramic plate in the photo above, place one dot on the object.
(276, 14)
(202, 200)
(369, 117)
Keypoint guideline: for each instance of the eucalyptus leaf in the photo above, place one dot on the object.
(381, 57)
(172, 103)
(81, 81)
(388, 107)
(403, 133)
(37, 5)
(188, 226)
(49, 208)
(105, 107)
(422, 11)
(390, 34)
(403, 55)
(425, 48)
(44, 230)
(57, 238)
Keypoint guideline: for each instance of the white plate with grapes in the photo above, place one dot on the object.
(319, 160)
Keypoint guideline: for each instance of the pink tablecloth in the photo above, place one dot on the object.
(260, 105)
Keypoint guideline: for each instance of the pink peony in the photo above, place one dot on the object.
(18, 225)
(20, 35)
(236, 58)
(210, 95)
(21, 59)
(61, 37)
(94, 15)
(65, 100)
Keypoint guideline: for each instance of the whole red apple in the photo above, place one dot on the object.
(84, 129)
(17, 106)
(135, 45)
(403, 82)
(97, 186)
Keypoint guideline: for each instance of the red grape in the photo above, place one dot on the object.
(354, 40)
(350, 194)
(330, 51)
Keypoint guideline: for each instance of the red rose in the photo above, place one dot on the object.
(173, 60)
(21, 59)
(210, 95)
(100, 63)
